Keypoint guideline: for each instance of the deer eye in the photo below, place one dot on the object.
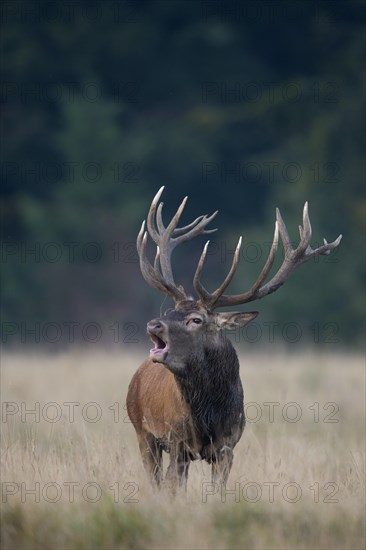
(195, 320)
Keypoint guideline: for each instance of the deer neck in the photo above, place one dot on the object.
(212, 389)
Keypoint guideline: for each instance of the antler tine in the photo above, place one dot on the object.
(151, 216)
(222, 300)
(160, 275)
(140, 236)
(331, 246)
(177, 230)
(305, 232)
(283, 232)
(199, 229)
(157, 258)
(173, 230)
(167, 244)
(159, 218)
(175, 219)
(325, 249)
(198, 286)
(151, 276)
(216, 295)
(180, 230)
(304, 250)
(293, 258)
(151, 273)
(269, 263)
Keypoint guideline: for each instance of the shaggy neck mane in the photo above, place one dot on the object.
(212, 390)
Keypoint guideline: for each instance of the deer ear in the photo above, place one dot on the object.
(231, 319)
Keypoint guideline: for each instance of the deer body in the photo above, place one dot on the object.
(187, 398)
(191, 404)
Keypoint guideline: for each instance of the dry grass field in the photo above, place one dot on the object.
(72, 476)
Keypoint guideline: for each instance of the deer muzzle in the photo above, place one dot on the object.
(158, 335)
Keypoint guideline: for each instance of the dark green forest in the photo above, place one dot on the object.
(243, 106)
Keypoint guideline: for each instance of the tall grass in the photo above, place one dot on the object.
(77, 482)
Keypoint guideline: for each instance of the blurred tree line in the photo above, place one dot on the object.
(244, 106)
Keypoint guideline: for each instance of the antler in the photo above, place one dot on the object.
(160, 275)
(293, 258)
(166, 239)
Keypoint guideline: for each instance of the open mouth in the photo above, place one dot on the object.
(160, 347)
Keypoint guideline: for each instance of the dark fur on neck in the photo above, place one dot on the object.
(213, 390)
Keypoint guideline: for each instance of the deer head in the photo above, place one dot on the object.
(193, 327)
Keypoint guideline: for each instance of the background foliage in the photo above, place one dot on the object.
(244, 106)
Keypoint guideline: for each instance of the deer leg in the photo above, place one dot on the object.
(222, 465)
(177, 473)
(151, 453)
(182, 469)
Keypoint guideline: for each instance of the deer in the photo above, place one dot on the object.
(186, 399)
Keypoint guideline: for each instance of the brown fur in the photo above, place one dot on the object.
(162, 421)
(154, 402)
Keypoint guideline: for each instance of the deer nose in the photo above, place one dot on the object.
(155, 326)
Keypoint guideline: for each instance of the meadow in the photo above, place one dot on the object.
(72, 477)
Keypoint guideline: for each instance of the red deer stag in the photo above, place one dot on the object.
(187, 398)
